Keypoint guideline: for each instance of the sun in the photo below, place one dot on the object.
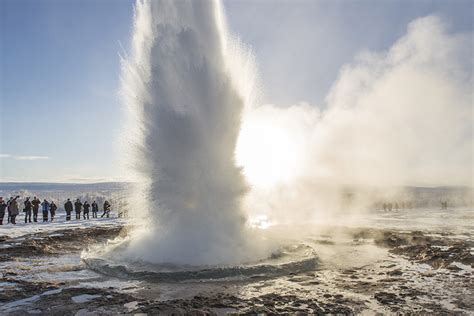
(267, 150)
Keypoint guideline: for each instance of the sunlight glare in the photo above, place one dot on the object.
(268, 151)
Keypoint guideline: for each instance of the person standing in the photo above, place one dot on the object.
(68, 208)
(9, 203)
(45, 209)
(36, 203)
(52, 210)
(27, 210)
(86, 207)
(3, 206)
(14, 210)
(95, 209)
(77, 208)
(106, 209)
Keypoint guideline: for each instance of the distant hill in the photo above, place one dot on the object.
(37, 186)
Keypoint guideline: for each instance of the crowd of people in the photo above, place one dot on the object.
(32, 207)
(389, 206)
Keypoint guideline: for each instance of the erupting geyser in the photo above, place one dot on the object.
(185, 110)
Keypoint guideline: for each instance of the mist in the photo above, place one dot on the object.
(395, 118)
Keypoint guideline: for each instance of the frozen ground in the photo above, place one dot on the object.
(455, 220)
(60, 223)
(405, 261)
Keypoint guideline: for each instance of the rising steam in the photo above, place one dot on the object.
(395, 118)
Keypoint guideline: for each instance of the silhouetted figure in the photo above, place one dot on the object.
(9, 202)
(95, 209)
(390, 207)
(106, 209)
(52, 210)
(27, 210)
(45, 209)
(396, 206)
(14, 210)
(68, 208)
(3, 207)
(385, 207)
(444, 205)
(86, 207)
(36, 203)
(77, 208)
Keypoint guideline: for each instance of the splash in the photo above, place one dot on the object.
(186, 85)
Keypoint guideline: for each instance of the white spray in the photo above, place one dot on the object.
(185, 104)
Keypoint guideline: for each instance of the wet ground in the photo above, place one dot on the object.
(359, 270)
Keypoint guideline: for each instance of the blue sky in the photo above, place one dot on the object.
(60, 114)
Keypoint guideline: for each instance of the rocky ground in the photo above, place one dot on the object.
(407, 272)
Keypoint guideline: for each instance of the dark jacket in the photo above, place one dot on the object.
(52, 207)
(86, 207)
(28, 205)
(36, 203)
(95, 207)
(3, 206)
(68, 206)
(77, 206)
(106, 206)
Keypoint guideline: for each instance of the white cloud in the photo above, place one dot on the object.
(30, 157)
(24, 157)
(86, 179)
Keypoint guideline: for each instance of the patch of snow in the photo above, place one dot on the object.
(84, 298)
(462, 266)
(4, 285)
(442, 248)
(122, 285)
(19, 230)
(52, 292)
(82, 312)
(34, 311)
(66, 275)
(9, 307)
(131, 305)
(56, 235)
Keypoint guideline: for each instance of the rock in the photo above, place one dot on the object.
(388, 298)
(395, 272)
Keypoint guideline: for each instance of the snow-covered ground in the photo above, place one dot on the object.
(59, 223)
(353, 271)
(453, 220)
